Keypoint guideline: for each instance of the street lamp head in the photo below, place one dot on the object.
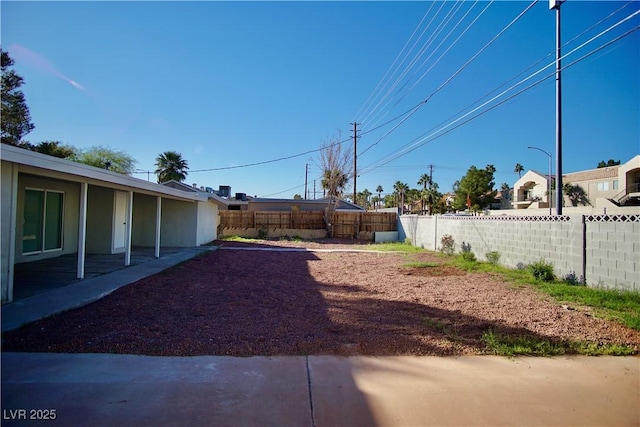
(554, 4)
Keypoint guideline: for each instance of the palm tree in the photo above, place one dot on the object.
(401, 188)
(379, 190)
(518, 169)
(334, 182)
(424, 180)
(171, 166)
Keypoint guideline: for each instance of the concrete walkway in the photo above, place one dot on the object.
(315, 391)
(319, 391)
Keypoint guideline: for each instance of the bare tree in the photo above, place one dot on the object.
(336, 163)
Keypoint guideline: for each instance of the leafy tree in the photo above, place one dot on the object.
(297, 197)
(56, 149)
(363, 198)
(106, 158)
(611, 162)
(518, 169)
(171, 166)
(476, 187)
(336, 164)
(16, 119)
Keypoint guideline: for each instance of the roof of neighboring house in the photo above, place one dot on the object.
(593, 174)
(307, 201)
(45, 165)
(202, 193)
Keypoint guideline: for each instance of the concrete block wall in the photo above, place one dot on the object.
(608, 254)
(613, 254)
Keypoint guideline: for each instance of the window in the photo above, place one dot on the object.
(42, 221)
(603, 186)
(615, 184)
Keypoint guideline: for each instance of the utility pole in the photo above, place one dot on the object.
(355, 159)
(314, 189)
(430, 182)
(306, 174)
(555, 4)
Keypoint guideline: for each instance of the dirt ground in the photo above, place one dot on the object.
(244, 302)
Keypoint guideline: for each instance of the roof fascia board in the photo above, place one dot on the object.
(44, 165)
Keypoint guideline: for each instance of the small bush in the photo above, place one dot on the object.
(262, 233)
(407, 241)
(572, 279)
(468, 256)
(466, 247)
(493, 257)
(448, 244)
(542, 270)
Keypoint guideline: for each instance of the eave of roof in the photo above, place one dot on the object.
(45, 165)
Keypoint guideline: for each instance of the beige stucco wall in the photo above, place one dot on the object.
(144, 220)
(70, 215)
(99, 220)
(179, 223)
(6, 184)
(207, 222)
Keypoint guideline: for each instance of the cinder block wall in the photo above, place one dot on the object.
(605, 250)
(613, 254)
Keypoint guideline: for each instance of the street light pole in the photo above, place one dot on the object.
(555, 4)
(548, 178)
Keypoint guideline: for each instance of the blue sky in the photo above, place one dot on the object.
(234, 83)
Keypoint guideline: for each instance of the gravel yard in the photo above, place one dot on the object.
(246, 302)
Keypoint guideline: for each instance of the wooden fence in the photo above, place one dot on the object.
(345, 224)
(272, 219)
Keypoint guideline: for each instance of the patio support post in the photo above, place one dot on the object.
(12, 231)
(82, 229)
(158, 218)
(127, 253)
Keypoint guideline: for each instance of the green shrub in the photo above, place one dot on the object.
(493, 257)
(468, 256)
(573, 279)
(542, 270)
(262, 233)
(448, 244)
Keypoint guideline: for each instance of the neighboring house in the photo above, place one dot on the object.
(613, 186)
(264, 204)
(52, 207)
(531, 190)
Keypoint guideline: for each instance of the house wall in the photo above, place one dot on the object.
(605, 250)
(99, 220)
(70, 215)
(179, 224)
(144, 220)
(207, 222)
(6, 186)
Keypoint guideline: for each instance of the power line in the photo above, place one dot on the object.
(435, 135)
(450, 78)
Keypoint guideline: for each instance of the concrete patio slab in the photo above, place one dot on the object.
(85, 291)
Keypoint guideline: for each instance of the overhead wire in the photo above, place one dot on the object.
(392, 64)
(389, 90)
(412, 63)
(457, 72)
(434, 135)
(410, 144)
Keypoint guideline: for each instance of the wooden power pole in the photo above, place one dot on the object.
(355, 160)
